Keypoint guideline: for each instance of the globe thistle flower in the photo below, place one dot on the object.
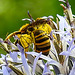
(61, 58)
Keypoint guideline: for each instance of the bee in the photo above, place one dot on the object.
(36, 32)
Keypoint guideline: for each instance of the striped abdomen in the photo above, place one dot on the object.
(42, 42)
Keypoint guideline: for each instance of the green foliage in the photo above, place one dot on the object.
(12, 11)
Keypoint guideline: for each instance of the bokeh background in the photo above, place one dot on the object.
(13, 11)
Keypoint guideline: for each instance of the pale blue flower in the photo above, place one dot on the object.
(63, 23)
(24, 61)
(42, 56)
(49, 61)
(58, 68)
(53, 51)
(68, 52)
(64, 35)
(11, 44)
(16, 37)
(5, 70)
(13, 55)
(4, 58)
(46, 70)
(71, 46)
(72, 72)
(35, 63)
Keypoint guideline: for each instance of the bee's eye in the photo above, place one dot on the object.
(30, 28)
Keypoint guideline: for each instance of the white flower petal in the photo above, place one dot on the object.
(63, 24)
(35, 62)
(72, 72)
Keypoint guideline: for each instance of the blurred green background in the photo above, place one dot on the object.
(13, 11)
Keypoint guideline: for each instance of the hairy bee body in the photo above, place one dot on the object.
(42, 42)
(37, 32)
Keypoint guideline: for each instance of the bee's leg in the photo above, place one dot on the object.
(25, 41)
(26, 50)
(12, 34)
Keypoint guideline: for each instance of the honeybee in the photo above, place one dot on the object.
(36, 32)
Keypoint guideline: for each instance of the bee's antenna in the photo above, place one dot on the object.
(67, 4)
(30, 17)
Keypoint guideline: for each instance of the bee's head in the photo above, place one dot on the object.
(23, 28)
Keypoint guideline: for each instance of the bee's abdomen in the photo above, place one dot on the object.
(42, 42)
